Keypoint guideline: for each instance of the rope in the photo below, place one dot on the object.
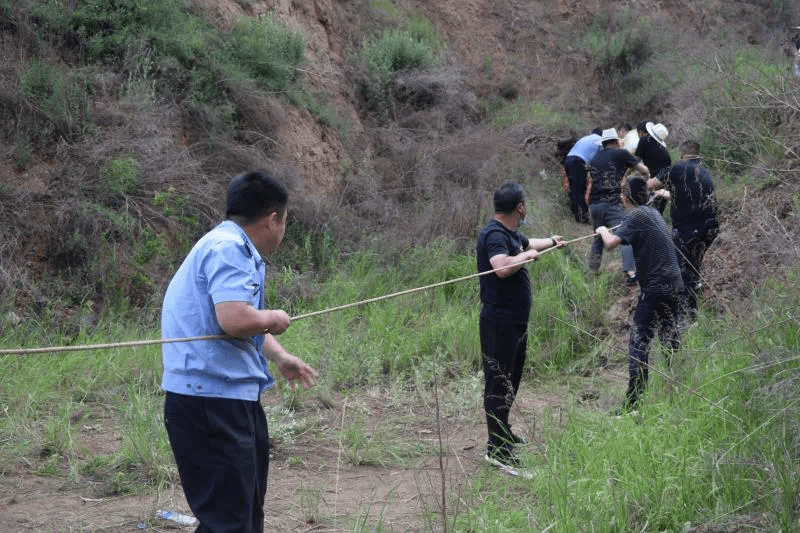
(127, 344)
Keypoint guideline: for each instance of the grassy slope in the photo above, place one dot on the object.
(717, 439)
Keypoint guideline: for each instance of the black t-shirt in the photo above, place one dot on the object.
(692, 193)
(654, 156)
(607, 169)
(504, 299)
(656, 261)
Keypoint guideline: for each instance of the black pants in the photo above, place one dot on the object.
(575, 167)
(221, 447)
(691, 244)
(656, 312)
(504, 348)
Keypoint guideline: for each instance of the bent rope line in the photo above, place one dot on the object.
(78, 347)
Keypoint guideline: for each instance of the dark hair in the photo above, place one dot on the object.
(625, 125)
(251, 195)
(642, 126)
(597, 131)
(635, 190)
(507, 197)
(690, 148)
(609, 142)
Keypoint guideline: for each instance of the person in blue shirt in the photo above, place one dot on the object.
(506, 304)
(575, 167)
(216, 425)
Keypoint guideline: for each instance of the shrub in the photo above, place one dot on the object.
(83, 229)
(423, 30)
(120, 176)
(397, 50)
(107, 28)
(394, 50)
(618, 45)
(625, 52)
(56, 103)
(266, 50)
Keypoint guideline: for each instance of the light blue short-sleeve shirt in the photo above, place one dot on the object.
(586, 147)
(224, 266)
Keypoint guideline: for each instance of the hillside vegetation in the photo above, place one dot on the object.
(123, 121)
(392, 123)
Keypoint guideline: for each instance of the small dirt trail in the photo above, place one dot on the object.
(370, 459)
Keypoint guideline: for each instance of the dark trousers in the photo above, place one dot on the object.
(656, 312)
(221, 447)
(608, 215)
(691, 244)
(504, 347)
(575, 167)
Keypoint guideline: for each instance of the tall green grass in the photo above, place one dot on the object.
(717, 442)
(716, 438)
(424, 337)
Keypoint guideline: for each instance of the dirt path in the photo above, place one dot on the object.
(315, 482)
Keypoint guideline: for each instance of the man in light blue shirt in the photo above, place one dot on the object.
(215, 422)
(575, 167)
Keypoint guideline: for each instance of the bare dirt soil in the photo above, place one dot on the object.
(314, 483)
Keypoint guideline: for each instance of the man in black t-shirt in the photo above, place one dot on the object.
(652, 149)
(506, 304)
(606, 171)
(694, 216)
(659, 281)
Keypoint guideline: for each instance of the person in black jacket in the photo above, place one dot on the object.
(694, 216)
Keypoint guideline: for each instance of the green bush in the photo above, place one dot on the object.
(394, 50)
(625, 53)
(120, 176)
(266, 50)
(107, 28)
(619, 45)
(423, 30)
(57, 103)
(161, 48)
(397, 50)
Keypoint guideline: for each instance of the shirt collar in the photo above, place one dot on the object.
(231, 226)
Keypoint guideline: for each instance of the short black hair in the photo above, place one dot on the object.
(507, 197)
(597, 131)
(635, 190)
(642, 126)
(253, 194)
(690, 148)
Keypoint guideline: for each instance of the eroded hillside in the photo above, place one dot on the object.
(422, 171)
